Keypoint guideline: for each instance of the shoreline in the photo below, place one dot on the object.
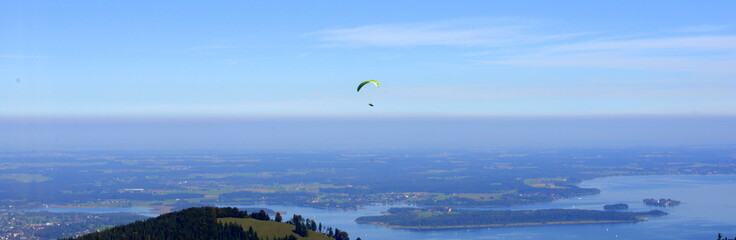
(497, 225)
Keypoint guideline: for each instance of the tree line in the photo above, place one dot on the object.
(201, 223)
(302, 227)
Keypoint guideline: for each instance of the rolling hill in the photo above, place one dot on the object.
(208, 223)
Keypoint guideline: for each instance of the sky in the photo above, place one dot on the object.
(282, 74)
(305, 58)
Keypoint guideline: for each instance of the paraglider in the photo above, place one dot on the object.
(378, 84)
(360, 86)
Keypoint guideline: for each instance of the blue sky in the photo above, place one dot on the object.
(304, 58)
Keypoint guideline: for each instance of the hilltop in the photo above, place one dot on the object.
(218, 223)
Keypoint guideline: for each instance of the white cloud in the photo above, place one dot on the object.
(695, 54)
(702, 28)
(681, 43)
(450, 33)
(623, 61)
(525, 44)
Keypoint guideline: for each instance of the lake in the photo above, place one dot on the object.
(145, 211)
(708, 208)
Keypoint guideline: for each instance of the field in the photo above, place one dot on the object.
(337, 180)
(270, 229)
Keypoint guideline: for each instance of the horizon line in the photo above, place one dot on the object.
(360, 116)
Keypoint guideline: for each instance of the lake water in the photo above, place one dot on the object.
(708, 208)
(145, 211)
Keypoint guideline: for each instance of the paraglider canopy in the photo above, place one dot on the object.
(378, 84)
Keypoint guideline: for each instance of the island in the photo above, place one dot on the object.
(447, 218)
(616, 207)
(661, 202)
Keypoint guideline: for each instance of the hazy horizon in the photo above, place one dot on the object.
(362, 133)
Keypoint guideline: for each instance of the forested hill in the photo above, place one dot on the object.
(202, 223)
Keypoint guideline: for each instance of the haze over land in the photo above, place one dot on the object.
(151, 107)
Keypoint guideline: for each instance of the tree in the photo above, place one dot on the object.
(313, 226)
(261, 215)
(278, 217)
(299, 225)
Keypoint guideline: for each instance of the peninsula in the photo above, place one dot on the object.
(438, 218)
